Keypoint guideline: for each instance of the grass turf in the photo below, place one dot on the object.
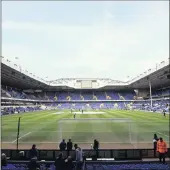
(43, 127)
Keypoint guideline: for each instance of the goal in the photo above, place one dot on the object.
(106, 130)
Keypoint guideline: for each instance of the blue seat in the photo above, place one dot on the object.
(138, 166)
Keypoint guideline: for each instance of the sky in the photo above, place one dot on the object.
(85, 39)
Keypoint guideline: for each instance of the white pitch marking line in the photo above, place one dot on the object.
(72, 131)
(21, 137)
(162, 134)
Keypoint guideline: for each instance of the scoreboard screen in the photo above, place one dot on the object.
(86, 84)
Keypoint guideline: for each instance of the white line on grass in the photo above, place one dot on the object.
(162, 134)
(21, 137)
(72, 131)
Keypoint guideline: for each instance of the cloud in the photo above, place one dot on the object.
(114, 46)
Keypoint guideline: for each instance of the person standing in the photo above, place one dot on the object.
(74, 115)
(62, 145)
(59, 162)
(33, 152)
(69, 145)
(162, 149)
(155, 140)
(3, 160)
(33, 164)
(79, 157)
(164, 112)
(96, 147)
(69, 164)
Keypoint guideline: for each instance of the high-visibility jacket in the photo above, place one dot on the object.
(161, 147)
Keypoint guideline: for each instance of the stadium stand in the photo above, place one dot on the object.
(94, 166)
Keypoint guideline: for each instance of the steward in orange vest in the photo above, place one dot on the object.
(162, 149)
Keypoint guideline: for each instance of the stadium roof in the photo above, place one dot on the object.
(15, 77)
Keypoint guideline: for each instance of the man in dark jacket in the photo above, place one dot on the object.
(33, 152)
(96, 147)
(33, 164)
(59, 162)
(69, 164)
(62, 145)
(3, 160)
(155, 140)
(69, 145)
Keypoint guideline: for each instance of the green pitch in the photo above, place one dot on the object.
(43, 128)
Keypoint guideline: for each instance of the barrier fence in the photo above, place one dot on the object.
(120, 154)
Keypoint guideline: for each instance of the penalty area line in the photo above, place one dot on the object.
(21, 137)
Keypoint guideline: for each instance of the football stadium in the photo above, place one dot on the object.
(112, 112)
(111, 123)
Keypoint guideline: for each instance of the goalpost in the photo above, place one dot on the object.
(106, 130)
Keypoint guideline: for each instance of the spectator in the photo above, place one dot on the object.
(79, 157)
(59, 162)
(33, 164)
(155, 140)
(3, 160)
(162, 149)
(69, 145)
(69, 163)
(33, 152)
(62, 145)
(96, 145)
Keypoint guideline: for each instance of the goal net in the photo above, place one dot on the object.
(106, 130)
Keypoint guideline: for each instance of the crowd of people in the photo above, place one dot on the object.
(62, 163)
